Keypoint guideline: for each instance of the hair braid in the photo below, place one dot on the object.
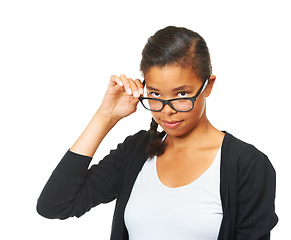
(156, 146)
(154, 128)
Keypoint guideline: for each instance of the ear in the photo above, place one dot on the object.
(210, 84)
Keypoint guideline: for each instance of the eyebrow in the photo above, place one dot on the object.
(184, 87)
(151, 88)
(181, 88)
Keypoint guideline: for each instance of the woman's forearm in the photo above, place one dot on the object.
(93, 135)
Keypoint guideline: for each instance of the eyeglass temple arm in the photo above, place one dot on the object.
(202, 88)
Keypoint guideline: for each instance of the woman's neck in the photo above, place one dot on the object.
(203, 135)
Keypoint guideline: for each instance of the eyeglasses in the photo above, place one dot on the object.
(178, 104)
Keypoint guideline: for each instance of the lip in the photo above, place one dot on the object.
(171, 124)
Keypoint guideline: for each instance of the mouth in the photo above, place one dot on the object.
(171, 124)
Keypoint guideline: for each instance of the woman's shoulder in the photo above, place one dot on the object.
(140, 136)
(237, 150)
(136, 141)
(231, 142)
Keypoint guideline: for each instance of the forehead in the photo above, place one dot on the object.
(171, 77)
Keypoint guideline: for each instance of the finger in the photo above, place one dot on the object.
(116, 80)
(139, 86)
(126, 84)
(133, 88)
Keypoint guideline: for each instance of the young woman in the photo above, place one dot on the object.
(191, 181)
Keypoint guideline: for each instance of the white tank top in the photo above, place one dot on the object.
(155, 211)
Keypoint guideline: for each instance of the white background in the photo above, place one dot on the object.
(56, 58)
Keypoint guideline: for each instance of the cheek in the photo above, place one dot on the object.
(155, 116)
(193, 117)
(198, 110)
(199, 106)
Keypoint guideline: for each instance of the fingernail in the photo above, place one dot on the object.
(129, 92)
(140, 91)
(120, 83)
(136, 94)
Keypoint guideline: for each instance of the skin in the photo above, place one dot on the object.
(192, 142)
(120, 100)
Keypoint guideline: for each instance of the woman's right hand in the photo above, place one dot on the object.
(121, 97)
(120, 100)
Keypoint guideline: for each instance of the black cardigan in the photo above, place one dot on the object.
(247, 187)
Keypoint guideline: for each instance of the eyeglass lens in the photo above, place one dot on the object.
(179, 104)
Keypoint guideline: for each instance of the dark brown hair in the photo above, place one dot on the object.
(174, 46)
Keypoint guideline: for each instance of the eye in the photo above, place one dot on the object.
(182, 94)
(154, 94)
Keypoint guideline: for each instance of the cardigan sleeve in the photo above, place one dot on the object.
(73, 189)
(256, 195)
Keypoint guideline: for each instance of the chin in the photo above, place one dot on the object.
(176, 133)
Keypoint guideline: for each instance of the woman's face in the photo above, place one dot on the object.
(176, 82)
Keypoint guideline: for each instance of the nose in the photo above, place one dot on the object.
(168, 110)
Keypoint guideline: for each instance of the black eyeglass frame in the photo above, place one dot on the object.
(168, 102)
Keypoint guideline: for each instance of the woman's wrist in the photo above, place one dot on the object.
(106, 116)
(93, 135)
